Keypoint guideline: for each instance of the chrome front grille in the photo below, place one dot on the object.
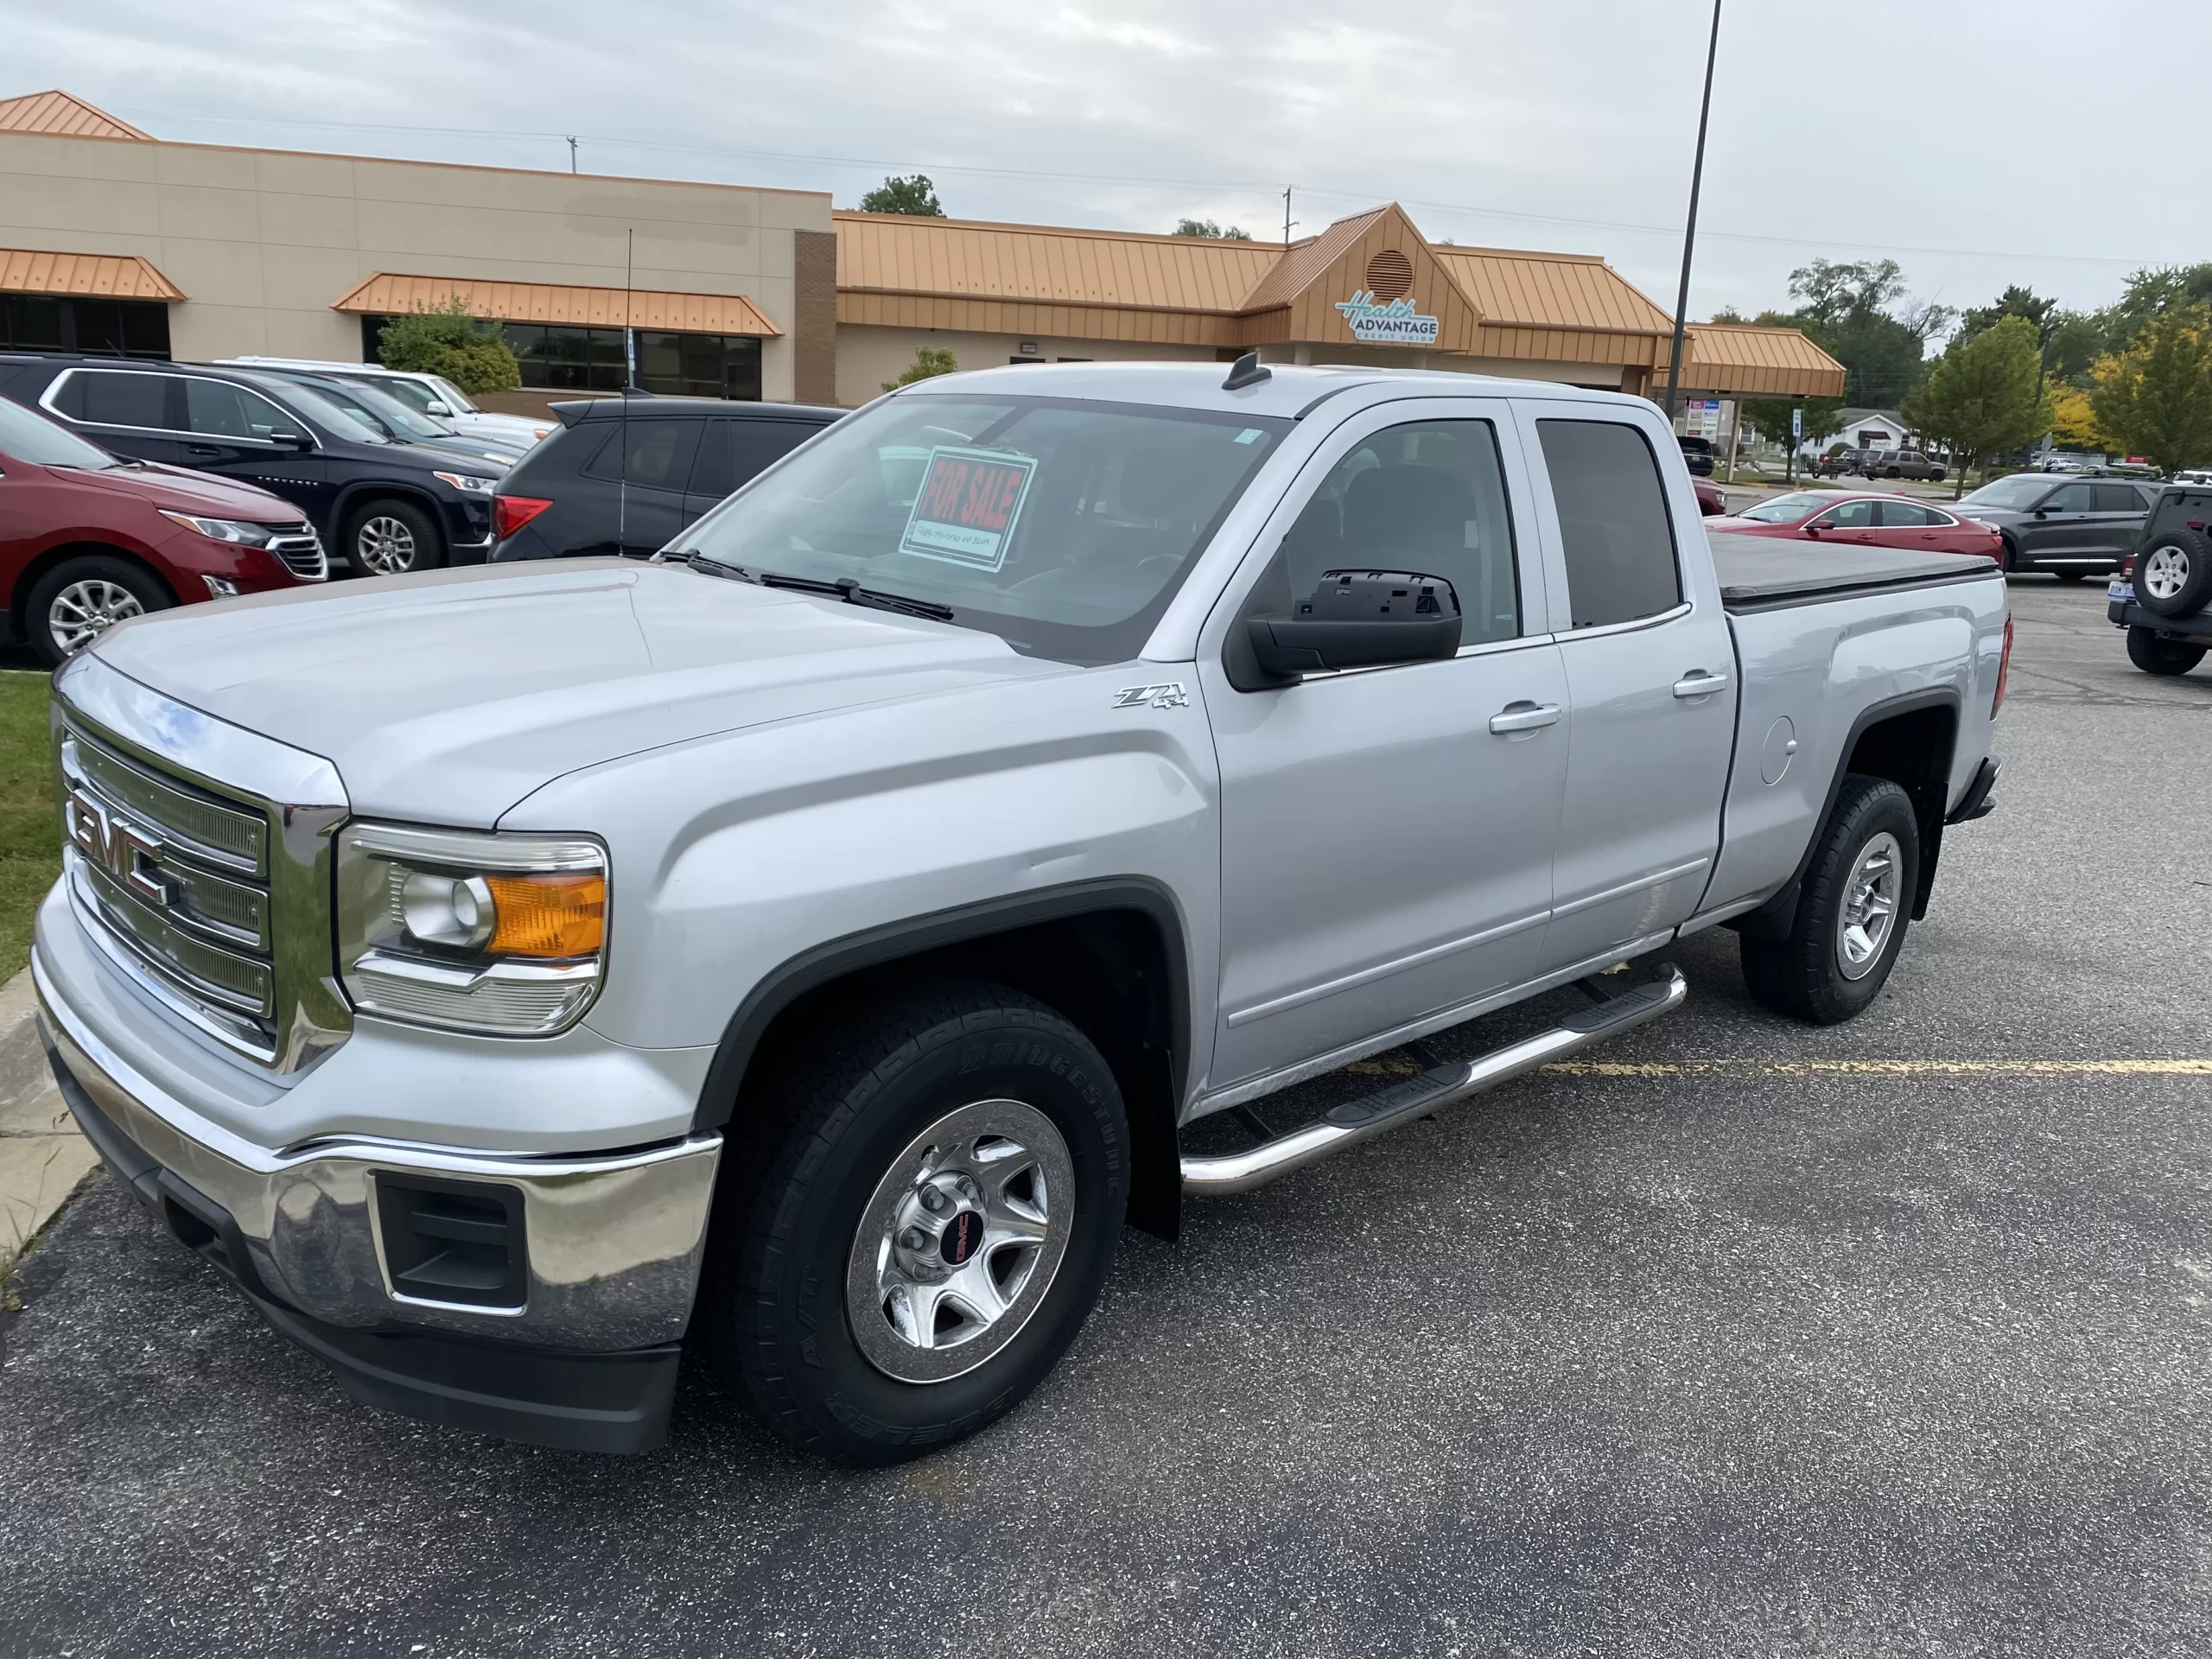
(301, 549)
(198, 856)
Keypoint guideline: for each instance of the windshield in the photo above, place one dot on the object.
(1063, 526)
(38, 441)
(2020, 490)
(388, 414)
(455, 399)
(340, 424)
(1785, 509)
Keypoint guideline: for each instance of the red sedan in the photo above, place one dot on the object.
(1711, 498)
(1867, 520)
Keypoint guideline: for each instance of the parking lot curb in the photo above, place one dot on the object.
(42, 1158)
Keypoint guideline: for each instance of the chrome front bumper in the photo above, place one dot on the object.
(613, 1244)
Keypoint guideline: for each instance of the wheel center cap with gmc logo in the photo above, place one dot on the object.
(962, 1238)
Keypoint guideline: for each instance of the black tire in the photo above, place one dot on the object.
(392, 538)
(1893, 472)
(2154, 655)
(2182, 561)
(1937, 476)
(2010, 563)
(775, 1310)
(1804, 975)
(82, 587)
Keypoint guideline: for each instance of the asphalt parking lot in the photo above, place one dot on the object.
(1893, 1338)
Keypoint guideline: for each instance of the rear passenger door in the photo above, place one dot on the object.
(1651, 680)
(733, 452)
(2120, 511)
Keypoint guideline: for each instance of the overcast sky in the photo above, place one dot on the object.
(1977, 143)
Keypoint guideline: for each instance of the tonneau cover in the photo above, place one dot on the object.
(1778, 569)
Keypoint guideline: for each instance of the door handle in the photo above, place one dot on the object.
(1699, 683)
(201, 450)
(1523, 717)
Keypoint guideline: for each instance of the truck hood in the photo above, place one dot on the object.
(446, 698)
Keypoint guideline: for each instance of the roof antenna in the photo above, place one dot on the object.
(1246, 371)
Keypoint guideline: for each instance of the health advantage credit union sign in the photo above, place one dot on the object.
(1395, 324)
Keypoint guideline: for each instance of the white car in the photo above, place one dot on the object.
(430, 394)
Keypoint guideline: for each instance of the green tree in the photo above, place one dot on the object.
(447, 341)
(915, 195)
(1206, 227)
(2155, 398)
(1859, 314)
(1769, 418)
(1983, 396)
(2014, 302)
(930, 361)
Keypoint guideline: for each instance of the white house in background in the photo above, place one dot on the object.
(1865, 428)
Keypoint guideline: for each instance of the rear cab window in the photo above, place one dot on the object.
(1615, 530)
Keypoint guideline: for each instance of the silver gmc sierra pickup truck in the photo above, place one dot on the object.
(810, 945)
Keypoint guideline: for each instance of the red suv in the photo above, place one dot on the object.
(87, 540)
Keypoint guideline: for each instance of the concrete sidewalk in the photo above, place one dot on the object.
(42, 1158)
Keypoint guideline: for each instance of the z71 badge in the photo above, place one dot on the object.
(1171, 696)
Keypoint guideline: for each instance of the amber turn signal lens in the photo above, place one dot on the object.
(547, 915)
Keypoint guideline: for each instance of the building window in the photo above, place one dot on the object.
(555, 358)
(59, 322)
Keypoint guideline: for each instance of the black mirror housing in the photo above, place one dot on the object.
(291, 440)
(1360, 619)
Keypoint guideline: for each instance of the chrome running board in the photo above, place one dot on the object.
(1440, 1086)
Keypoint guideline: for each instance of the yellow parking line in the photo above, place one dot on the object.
(1881, 1068)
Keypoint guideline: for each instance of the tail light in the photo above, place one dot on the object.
(510, 513)
(2004, 668)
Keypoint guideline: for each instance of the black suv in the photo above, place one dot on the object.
(585, 490)
(383, 507)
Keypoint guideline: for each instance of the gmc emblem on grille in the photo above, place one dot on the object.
(124, 850)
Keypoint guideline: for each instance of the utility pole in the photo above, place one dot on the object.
(1287, 221)
(1689, 231)
(572, 154)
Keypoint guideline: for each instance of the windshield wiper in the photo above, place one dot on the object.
(844, 588)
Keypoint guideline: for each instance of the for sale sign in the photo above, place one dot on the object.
(967, 507)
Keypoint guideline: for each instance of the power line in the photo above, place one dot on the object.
(971, 170)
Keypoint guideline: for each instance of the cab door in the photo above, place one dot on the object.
(1650, 679)
(1851, 522)
(1387, 832)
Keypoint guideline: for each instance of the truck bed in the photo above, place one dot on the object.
(1760, 572)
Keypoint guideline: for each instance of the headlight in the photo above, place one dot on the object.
(501, 934)
(467, 484)
(223, 530)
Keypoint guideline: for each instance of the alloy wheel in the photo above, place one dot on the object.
(2163, 572)
(958, 1244)
(384, 546)
(1870, 906)
(84, 610)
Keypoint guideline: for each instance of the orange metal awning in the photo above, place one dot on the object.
(104, 276)
(390, 295)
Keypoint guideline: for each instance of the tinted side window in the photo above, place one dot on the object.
(228, 411)
(2118, 497)
(112, 398)
(2072, 498)
(660, 454)
(1849, 515)
(710, 474)
(1896, 515)
(754, 445)
(1613, 520)
(1429, 497)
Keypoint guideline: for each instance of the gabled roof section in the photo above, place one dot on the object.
(62, 115)
(389, 294)
(970, 259)
(103, 275)
(1377, 254)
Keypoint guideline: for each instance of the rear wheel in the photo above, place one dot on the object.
(80, 598)
(2154, 655)
(932, 1231)
(392, 538)
(2173, 575)
(1851, 910)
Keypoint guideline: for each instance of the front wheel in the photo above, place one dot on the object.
(932, 1232)
(80, 598)
(2154, 655)
(1851, 910)
(392, 538)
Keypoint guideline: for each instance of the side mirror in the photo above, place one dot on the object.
(2042, 513)
(1813, 531)
(436, 406)
(1359, 618)
(291, 440)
